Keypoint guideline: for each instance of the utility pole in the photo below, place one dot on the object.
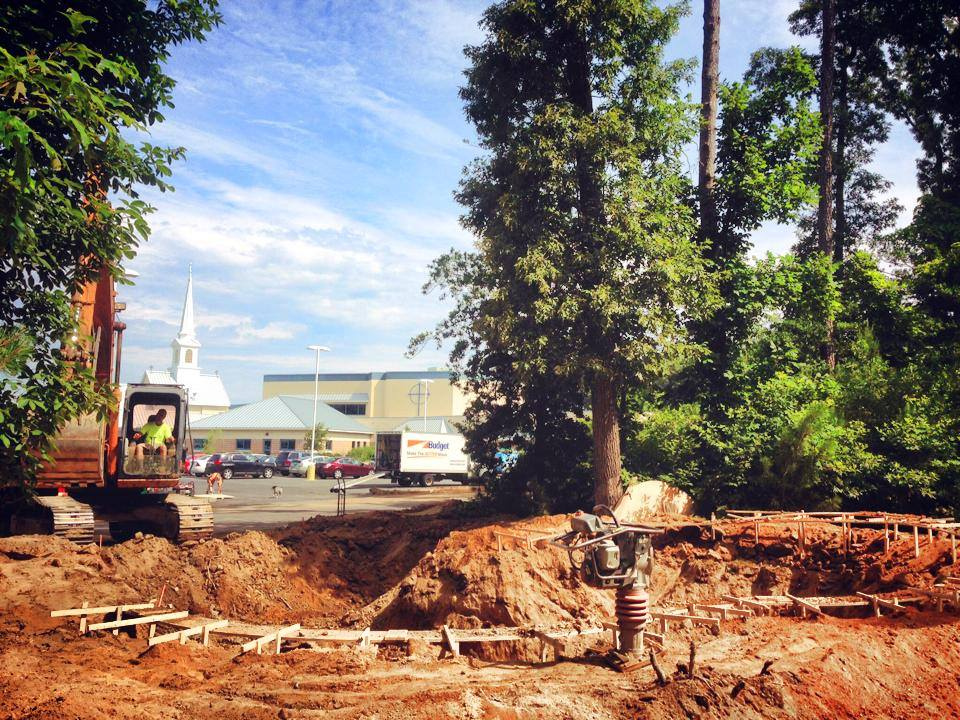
(312, 469)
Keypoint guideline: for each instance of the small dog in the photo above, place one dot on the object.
(277, 492)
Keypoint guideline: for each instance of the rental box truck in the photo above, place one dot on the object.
(416, 457)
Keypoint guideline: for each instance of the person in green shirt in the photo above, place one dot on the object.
(155, 436)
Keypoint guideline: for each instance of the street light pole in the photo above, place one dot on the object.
(426, 396)
(312, 469)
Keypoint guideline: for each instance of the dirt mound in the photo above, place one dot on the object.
(466, 582)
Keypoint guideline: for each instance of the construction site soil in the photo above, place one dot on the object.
(425, 568)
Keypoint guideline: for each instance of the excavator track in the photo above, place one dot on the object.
(187, 518)
(56, 515)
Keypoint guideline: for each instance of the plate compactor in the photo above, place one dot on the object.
(607, 554)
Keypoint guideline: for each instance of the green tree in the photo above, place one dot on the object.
(767, 147)
(315, 440)
(860, 212)
(586, 266)
(75, 79)
(364, 453)
(210, 444)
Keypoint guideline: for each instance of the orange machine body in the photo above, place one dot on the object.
(88, 449)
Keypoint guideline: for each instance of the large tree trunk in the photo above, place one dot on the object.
(606, 442)
(708, 121)
(606, 421)
(840, 241)
(825, 210)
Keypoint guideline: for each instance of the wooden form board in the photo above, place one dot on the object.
(144, 620)
(667, 616)
(805, 606)
(275, 637)
(878, 602)
(182, 635)
(84, 611)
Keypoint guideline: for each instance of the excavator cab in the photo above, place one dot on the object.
(140, 403)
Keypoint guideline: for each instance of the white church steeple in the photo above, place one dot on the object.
(186, 347)
(205, 391)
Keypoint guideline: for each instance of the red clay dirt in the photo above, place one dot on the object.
(433, 566)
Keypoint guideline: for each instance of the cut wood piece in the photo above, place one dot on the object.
(161, 617)
(451, 642)
(182, 635)
(652, 637)
(83, 619)
(682, 616)
(102, 610)
(272, 637)
(758, 607)
(724, 610)
(879, 602)
(364, 638)
(805, 606)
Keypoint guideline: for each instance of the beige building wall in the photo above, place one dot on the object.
(388, 393)
(340, 443)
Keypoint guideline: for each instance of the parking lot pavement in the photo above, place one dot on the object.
(254, 507)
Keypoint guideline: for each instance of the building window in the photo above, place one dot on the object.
(350, 408)
(199, 444)
(329, 445)
(288, 444)
(188, 356)
(243, 444)
(267, 446)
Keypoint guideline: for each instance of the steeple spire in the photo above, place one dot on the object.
(186, 346)
(188, 329)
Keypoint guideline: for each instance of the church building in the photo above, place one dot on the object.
(205, 391)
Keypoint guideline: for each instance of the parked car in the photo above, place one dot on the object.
(344, 467)
(233, 464)
(285, 459)
(300, 465)
(189, 461)
(267, 460)
(198, 464)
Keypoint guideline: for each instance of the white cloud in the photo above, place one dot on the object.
(215, 147)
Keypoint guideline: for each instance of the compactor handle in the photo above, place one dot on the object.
(601, 510)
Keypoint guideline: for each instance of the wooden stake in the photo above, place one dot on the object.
(713, 530)
(661, 678)
(953, 547)
(756, 531)
(916, 541)
(450, 640)
(802, 535)
(83, 618)
(896, 531)
(119, 618)
(886, 535)
(693, 659)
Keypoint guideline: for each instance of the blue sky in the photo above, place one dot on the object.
(325, 140)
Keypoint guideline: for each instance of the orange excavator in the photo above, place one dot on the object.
(94, 471)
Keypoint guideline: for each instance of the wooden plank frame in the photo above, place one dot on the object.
(84, 611)
(144, 620)
(804, 606)
(202, 630)
(275, 637)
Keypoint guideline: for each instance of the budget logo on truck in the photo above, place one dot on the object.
(427, 448)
